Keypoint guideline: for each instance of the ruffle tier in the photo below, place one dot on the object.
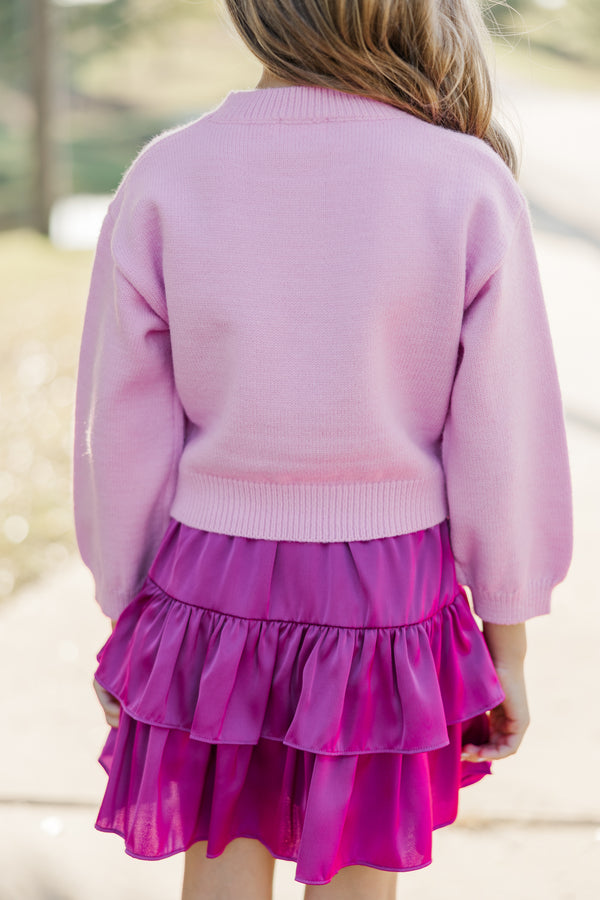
(324, 689)
(323, 812)
(333, 744)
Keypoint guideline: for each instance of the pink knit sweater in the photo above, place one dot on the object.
(315, 317)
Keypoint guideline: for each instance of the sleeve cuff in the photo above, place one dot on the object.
(511, 608)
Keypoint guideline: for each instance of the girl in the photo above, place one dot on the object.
(317, 399)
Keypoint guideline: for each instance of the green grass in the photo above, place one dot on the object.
(41, 306)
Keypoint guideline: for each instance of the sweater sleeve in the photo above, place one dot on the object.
(129, 424)
(504, 446)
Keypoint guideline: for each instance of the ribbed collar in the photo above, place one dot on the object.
(299, 102)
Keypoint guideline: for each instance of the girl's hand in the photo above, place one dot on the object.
(508, 721)
(109, 704)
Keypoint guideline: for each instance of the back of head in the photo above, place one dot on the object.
(426, 57)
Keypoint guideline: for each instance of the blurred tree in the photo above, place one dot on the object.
(43, 43)
(86, 28)
(98, 28)
(42, 91)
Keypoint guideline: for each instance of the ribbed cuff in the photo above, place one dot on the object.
(511, 608)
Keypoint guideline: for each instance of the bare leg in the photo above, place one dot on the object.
(355, 883)
(244, 870)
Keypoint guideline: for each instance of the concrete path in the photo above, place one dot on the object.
(531, 830)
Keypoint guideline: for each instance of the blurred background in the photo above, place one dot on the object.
(84, 84)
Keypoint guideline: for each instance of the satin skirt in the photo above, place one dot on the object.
(313, 696)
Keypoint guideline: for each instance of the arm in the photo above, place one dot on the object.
(504, 446)
(129, 424)
(507, 643)
(507, 473)
(508, 721)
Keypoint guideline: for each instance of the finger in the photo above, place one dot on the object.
(470, 754)
(103, 695)
(499, 750)
(110, 704)
(112, 720)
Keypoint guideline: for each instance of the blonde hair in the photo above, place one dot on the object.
(426, 57)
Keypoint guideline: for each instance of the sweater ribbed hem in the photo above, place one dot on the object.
(323, 512)
(511, 608)
(300, 103)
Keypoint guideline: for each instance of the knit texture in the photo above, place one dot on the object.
(315, 317)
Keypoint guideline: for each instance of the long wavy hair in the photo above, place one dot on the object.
(427, 57)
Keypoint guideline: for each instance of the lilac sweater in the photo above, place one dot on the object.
(315, 317)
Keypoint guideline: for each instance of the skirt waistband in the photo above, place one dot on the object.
(385, 582)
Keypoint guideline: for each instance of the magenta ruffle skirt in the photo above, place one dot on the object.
(313, 696)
